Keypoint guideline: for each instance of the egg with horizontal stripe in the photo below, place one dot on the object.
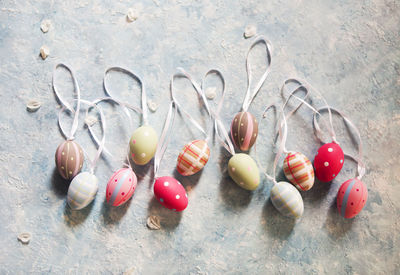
(121, 186)
(299, 170)
(328, 162)
(193, 157)
(244, 171)
(351, 198)
(170, 193)
(82, 190)
(244, 130)
(143, 144)
(69, 159)
(287, 199)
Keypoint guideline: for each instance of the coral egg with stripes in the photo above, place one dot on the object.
(244, 130)
(299, 170)
(328, 162)
(170, 193)
(351, 198)
(120, 186)
(69, 159)
(193, 157)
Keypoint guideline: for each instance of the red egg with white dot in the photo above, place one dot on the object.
(351, 198)
(328, 162)
(170, 193)
(121, 186)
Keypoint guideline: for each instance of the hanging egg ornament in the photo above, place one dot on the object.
(82, 190)
(287, 199)
(244, 130)
(328, 162)
(69, 159)
(170, 193)
(121, 186)
(244, 171)
(351, 198)
(193, 157)
(299, 170)
(143, 144)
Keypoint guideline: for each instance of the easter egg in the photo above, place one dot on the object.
(193, 157)
(244, 171)
(82, 190)
(244, 130)
(299, 170)
(170, 193)
(328, 162)
(121, 186)
(143, 144)
(351, 198)
(287, 199)
(69, 159)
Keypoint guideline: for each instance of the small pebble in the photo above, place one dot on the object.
(250, 31)
(44, 52)
(24, 238)
(153, 223)
(45, 25)
(90, 120)
(131, 15)
(211, 92)
(152, 105)
(33, 105)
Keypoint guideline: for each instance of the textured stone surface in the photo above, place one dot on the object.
(348, 49)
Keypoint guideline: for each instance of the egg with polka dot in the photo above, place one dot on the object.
(244, 171)
(170, 193)
(287, 199)
(121, 186)
(351, 198)
(244, 130)
(82, 190)
(69, 159)
(328, 162)
(143, 144)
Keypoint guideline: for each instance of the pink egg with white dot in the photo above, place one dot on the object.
(351, 198)
(328, 162)
(170, 193)
(121, 186)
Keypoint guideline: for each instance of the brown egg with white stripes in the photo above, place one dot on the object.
(244, 130)
(299, 170)
(69, 159)
(193, 157)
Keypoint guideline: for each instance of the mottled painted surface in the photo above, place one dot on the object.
(348, 49)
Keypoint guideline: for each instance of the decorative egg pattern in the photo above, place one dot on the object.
(244, 130)
(143, 144)
(69, 159)
(121, 186)
(299, 170)
(287, 199)
(82, 190)
(170, 193)
(193, 157)
(351, 198)
(244, 171)
(328, 162)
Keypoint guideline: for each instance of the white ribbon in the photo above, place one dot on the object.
(251, 95)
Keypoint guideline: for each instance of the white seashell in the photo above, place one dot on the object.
(33, 105)
(44, 52)
(250, 31)
(45, 25)
(24, 237)
(131, 15)
(153, 223)
(90, 120)
(211, 92)
(152, 105)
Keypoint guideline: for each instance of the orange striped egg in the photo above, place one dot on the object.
(299, 170)
(193, 157)
(69, 159)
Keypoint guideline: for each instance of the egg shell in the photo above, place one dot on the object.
(121, 186)
(82, 190)
(244, 171)
(299, 170)
(143, 144)
(170, 193)
(328, 162)
(244, 130)
(351, 198)
(69, 159)
(287, 199)
(193, 157)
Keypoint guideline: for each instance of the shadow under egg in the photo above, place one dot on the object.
(335, 225)
(59, 185)
(169, 220)
(113, 214)
(276, 224)
(73, 218)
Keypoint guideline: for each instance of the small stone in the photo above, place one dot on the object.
(153, 223)
(211, 92)
(33, 105)
(152, 105)
(250, 31)
(45, 25)
(131, 15)
(90, 120)
(44, 52)
(24, 238)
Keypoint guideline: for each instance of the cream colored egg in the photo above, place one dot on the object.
(287, 199)
(82, 190)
